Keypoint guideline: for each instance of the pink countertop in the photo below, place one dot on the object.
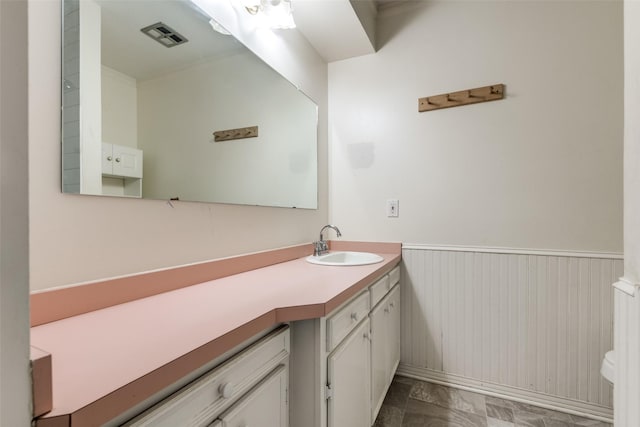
(106, 361)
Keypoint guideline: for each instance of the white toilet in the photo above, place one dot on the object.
(607, 366)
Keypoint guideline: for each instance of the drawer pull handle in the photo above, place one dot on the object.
(354, 317)
(366, 335)
(226, 390)
(392, 304)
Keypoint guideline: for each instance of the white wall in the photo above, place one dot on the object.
(15, 385)
(119, 122)
(627, 305)
(90, 98)
(540, 169)
(179, 112)
(78, 238)
(119, 108)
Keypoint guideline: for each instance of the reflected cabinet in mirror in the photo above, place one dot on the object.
(140, 109)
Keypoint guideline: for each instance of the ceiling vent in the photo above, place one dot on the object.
(164, 34)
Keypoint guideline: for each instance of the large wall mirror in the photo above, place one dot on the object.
(140, 110)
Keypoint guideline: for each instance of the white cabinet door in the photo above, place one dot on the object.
(349, 378)
(264, 406)
(394, 331)
(107, 159)
(127, 162)
(385, 347)
(121, 161)
(380, 354)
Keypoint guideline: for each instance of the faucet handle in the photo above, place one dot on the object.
(319, 247)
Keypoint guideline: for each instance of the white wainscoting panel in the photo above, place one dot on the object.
(535, 322)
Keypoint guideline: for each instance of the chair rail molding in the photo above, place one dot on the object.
(517, 251)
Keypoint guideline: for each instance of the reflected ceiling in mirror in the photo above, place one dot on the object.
(140, 111)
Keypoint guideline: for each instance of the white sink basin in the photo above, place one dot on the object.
(345, 258)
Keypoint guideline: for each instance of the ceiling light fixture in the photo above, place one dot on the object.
(274, 14)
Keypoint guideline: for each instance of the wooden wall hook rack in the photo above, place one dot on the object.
(463, 97)
(240, 133)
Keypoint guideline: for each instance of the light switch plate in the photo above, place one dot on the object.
(392, 208)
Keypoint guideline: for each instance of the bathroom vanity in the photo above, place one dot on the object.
(265, 331)
(359, 353)
(353, 354)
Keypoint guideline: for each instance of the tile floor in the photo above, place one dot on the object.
(413, 403)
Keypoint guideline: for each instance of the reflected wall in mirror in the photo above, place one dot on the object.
(139, 117)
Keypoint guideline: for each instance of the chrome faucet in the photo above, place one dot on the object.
(320, 247)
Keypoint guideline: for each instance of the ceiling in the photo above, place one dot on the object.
(126, 49)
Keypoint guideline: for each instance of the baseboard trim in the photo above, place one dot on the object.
(556, 403)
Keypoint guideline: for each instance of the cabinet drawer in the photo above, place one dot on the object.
(263, 406)
(340, 324)
(394, 276)
(379, 289)
(200, 402)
